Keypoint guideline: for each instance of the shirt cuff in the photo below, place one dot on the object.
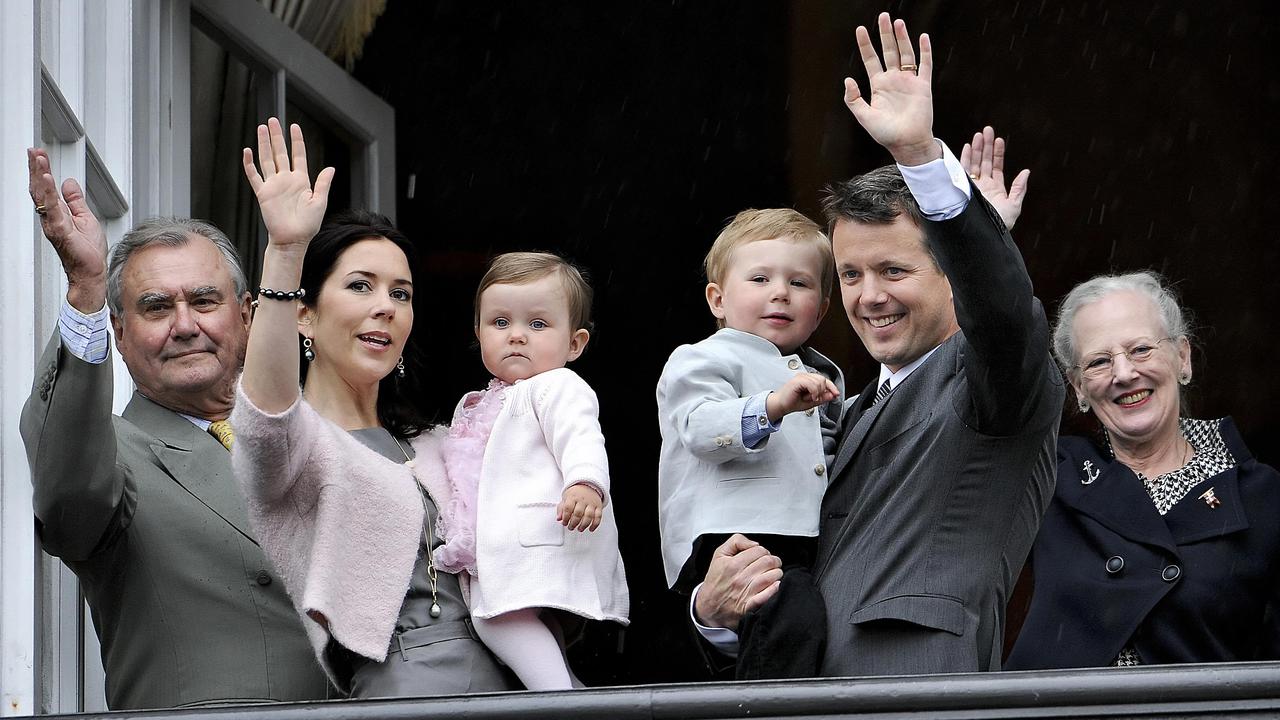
(940, 187)
(755, 421)
(84, 336)
(722, 639)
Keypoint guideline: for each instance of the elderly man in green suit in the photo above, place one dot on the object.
(144, 507)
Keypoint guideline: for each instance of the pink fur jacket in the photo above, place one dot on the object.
(341, 523)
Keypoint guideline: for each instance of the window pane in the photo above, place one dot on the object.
(223, 118)
(326, 146)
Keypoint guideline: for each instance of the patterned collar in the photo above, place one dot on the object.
(1211, 457)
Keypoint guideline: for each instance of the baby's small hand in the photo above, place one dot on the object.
(801, 392)
(580, 508)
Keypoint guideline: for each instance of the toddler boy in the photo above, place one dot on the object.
(750, 418)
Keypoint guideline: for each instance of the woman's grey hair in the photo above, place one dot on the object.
(1145, 283)
(173, 232)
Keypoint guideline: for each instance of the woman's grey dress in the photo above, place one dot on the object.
(427, 656)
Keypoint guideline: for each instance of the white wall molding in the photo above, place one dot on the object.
(19, 125)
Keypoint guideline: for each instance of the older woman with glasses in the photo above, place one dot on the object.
(1162, 543)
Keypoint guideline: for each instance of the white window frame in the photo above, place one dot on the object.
(19, 120)
(111, 102)
(258, 37)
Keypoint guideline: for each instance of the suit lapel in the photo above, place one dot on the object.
(194, 459)
(858, 422)
(1111, 494)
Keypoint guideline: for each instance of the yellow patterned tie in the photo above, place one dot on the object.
(221, 429)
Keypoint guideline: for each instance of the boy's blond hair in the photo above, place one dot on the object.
(751, 226)
(516, 268)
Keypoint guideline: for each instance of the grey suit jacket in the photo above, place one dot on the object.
(938, 490)
(145, 510)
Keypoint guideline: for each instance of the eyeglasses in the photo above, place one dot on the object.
(1099, 365)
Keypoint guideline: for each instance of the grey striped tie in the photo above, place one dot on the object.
(882, 393)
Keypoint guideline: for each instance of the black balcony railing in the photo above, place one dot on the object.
(1221, 690)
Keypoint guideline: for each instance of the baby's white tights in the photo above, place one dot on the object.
(524, 642)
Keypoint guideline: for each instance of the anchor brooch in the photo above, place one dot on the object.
(1090, 473)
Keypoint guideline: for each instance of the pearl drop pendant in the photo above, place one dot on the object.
(435, 610)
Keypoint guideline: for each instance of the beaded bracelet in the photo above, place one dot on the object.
(282, 294)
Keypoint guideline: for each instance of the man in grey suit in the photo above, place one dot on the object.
(946, 465)
(144, 507)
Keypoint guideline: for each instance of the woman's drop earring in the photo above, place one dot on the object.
(307, 352)
(1084, 406)
(400, 366)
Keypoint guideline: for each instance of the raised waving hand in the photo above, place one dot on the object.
(72, 230)
(899, 114)
(983, 159)
(291, 208)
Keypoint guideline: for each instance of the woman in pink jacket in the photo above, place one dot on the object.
(343, 481)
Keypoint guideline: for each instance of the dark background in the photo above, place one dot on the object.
(623, 136)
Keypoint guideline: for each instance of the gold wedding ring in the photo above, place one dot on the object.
(41, 209)
(905, 68)
(974, 176)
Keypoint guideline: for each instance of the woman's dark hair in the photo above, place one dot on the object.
(398, 398)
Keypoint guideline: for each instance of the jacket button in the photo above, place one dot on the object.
(1171, 573)
(1115, 564)
(819, 470)
(264, 579)
(793, 363)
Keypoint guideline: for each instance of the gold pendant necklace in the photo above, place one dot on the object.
(427, 534)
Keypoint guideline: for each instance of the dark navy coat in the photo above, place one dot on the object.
(1199, 584)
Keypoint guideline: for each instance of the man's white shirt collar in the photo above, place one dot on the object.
(895, 378)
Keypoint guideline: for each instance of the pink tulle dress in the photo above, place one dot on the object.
(463, 450)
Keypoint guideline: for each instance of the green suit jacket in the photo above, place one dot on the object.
(145, 510)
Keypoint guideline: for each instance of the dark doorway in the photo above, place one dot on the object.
(625, 135)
